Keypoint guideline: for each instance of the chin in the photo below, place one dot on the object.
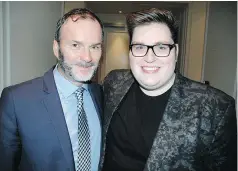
(150, 86)
(83, 77)
(149, 83)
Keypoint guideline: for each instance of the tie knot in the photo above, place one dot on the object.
(79, 93)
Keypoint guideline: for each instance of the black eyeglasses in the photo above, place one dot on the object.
(160, 50)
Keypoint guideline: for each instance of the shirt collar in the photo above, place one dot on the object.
(64, 85)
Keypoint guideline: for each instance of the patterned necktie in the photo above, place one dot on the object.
(83, 162)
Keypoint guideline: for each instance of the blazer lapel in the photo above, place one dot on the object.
(115, 96)
(170, 134)
(54, 108)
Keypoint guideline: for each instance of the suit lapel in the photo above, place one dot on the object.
(54, 108)
(170, 134)
(114, 93)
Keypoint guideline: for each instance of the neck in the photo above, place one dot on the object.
(160, 90)
(78, 84)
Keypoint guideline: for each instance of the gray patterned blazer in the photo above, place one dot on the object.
(197, 131)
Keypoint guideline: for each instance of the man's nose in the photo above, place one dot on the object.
(86, 55)
(150, 56)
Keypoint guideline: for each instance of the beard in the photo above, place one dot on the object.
(69, 72)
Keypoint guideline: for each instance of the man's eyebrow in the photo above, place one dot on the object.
(94, 44)
(164, 42)
(140, 43)
(78, 42)
(156, 43)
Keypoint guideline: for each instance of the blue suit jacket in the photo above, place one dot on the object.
(33, 131)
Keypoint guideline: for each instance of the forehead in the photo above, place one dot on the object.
(81, 30)
(152, 33)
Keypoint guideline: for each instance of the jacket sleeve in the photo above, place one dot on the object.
(10, 145)
(223, 152)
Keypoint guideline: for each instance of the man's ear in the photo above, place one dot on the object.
(176, 52)
(56, 49)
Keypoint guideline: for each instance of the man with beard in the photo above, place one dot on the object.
(157, 120)
(53, 123)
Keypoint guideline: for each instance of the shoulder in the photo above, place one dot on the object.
(24, 90)
(29, 85)
(117, 75)
(205, 92)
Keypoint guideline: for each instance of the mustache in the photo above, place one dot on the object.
(85, 64)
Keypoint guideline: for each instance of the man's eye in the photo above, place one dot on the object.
(139, 47)
(75, 45)
(98, 47)
(162, 47)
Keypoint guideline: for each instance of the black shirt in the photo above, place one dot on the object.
(132, 130)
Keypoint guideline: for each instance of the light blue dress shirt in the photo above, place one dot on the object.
(69, 104)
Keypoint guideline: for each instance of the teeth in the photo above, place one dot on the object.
(150, 68)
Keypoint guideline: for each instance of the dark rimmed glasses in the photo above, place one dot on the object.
(160, 50)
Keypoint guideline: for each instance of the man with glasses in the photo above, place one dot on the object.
(157, 120)
(53, 123)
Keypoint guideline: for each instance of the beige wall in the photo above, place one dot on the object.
(116, 53)
(197, 13)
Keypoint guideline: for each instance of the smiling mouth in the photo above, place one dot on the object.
(85, 69)
(150, 69)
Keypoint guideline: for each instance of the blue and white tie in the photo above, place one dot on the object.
(83, 162)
